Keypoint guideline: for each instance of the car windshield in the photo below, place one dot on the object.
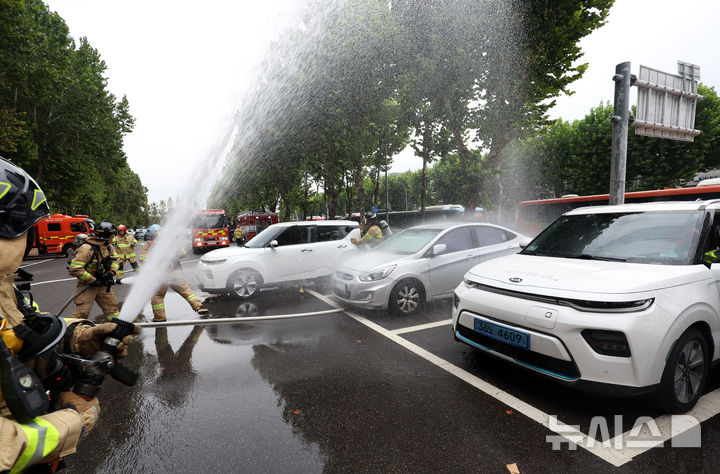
(408, 242)
(264, 237)
(668, 237)
(208, 221)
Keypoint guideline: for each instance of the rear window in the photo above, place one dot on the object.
(54, 227)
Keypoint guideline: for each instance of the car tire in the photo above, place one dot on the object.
(685, 374)
(406, 297)
(244, 284)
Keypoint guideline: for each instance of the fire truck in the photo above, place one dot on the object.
(253, 222)
(210, 230)
(54, 233)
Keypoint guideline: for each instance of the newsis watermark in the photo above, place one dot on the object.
(684, 432)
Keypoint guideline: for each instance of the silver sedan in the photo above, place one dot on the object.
(421, 264)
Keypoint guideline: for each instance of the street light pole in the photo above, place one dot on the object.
(620, 118)
(387, 192)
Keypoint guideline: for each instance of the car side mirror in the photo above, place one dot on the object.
(438, 249)
(524, 243)
(273, 244)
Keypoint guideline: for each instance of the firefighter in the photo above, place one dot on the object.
(176, 281)
(373, 235)
(52, 435)
(95, 266)
(238, 235)
(72, 248)
(124, 244)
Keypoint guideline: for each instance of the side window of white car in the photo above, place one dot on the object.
(294, 235)
(485, 235)
(327, 233)
(457, 240)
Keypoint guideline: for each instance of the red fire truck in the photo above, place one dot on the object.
(254, 222)
(54, 233)
(210, 230)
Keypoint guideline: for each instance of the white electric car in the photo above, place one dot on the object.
(284, 252)
(614, 299)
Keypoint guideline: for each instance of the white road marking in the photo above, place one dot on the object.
(422, 327)
(34, 283)
(35, 263)
(707, 407)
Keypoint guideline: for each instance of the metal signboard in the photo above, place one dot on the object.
(666, 102)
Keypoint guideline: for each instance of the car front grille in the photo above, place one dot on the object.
(566, 370)
(342, 291)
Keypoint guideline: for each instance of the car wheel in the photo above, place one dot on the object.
(244, 284)
(685, 373)
(406, 297)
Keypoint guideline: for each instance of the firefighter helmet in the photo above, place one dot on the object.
(121, 227)
(152, 229)
(370, 215)
(22, 202)
(104, 230)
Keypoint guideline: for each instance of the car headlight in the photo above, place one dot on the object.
(213, 262)
(378, 274)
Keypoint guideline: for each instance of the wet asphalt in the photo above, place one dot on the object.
(330, 394)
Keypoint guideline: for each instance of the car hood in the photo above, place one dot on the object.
(566, 277)
(363, 260)
(231, 252)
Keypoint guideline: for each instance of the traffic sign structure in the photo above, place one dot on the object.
(666, 102)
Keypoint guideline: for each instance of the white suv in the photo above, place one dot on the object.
(283, 252)
(613, 299)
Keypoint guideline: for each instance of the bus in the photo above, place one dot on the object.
(442, 212)
(534, 216)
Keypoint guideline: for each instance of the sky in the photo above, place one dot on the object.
(183, 66)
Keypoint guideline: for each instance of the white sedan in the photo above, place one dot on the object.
(618, 300)
(285, 252)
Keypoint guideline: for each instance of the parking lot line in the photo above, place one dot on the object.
(614, 451)
(422, 327)
(35, 263)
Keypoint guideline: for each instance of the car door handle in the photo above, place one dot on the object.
(306, 250)
(341, 246)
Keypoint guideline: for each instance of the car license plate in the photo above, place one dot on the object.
(502, 333)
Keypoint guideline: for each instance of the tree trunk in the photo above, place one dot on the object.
(305, 190)
(425, 158)
(360, 188)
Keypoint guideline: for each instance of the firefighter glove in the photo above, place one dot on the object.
(109, 277)
(89, 410)
(89, 338)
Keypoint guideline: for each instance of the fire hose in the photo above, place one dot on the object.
(205, 322)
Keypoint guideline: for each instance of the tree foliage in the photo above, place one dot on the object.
(574, 158)
(59, 122)
(358, 81)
